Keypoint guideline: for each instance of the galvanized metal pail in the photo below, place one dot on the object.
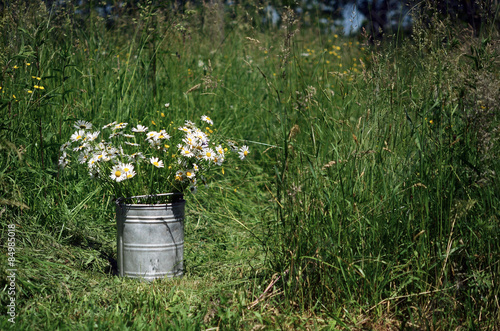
(150, 238)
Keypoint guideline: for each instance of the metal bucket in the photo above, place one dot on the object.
(150, 238)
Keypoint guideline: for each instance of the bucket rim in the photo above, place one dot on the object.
(122, 200)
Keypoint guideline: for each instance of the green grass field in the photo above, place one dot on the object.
(370, 198)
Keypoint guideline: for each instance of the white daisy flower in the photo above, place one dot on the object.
(115, 134)
(120, 126)
(140, 128)
(190, 174)
(92, 162)
(167, 105)
(65, 145)
(163, 135)
(81, 147)
(190, 139)
(201, 136)
(189, 124)
(92, 136)
(109, 125)
(232, 145)
(131, 144)
(63, 161)
(117, 173)
(101, 156)
(208, 154)
(157, 163)
(127, 167)
(83, 158)
(207, 119)
(180, 176)
(126, 135)
(220, 150)
(185, 129)
(82, 125)
(195, 167)
(136, 156)
(108, 156)
(130, 174)
(186, 151)
(243, 152)
(78, 135)
(151, 135)
(218, 160)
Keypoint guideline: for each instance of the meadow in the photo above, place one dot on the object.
(369, 199)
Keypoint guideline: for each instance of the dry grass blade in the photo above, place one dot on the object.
(194, 88)
(274, 279)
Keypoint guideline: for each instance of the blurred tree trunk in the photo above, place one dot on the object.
(213, 22)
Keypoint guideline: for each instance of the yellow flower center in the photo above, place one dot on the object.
(209, 154)
(118, 173)
(78, 137)
(126, 169)
(245, 153)
(156, 164)
(188, 174)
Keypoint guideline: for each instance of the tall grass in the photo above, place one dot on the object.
(386, 198)
(371, 198)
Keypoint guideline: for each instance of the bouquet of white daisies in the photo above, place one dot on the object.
(144, 161)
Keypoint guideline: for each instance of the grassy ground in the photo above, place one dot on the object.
(369, 201)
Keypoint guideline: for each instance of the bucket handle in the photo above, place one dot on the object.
(119, 201)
